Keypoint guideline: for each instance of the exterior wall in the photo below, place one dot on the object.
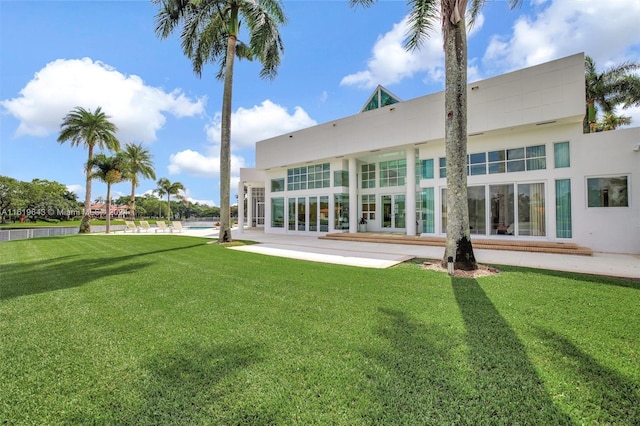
(541, 105)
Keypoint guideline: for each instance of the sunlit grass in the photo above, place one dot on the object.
(157, 330)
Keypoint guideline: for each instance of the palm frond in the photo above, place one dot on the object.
(422, 18)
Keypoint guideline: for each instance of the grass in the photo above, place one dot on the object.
(171, 330)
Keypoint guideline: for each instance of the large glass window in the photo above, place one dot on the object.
(297, 178)
(324, 213)
(442, 163)
(608, 191)
(318, 176)
(531, 209)
(536, 157)
(477, 210)
(277, 185)
(277, 212)
(502, 209)
(313, 213)
(426, 209)
(302, 214)
(341, 211)
(563, 208)
(368, 175)
(369, 207)
(561, 155)
(292, 214)
(393, 173)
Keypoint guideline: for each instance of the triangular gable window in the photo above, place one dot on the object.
(379, 98)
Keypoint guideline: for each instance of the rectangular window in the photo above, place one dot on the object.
(477, 210)
(608, 191)
(313, 214)
(531, 210)
(292, 214)
(502, 209)
(427, 169)
(563, 208)
(324, 213)
(477, 164)
(393, 173)
(302, 214)
(277, 185)
(443, 167)
(426, 210)
(277, 212)
(561, 155)
(319, 176)
(369, 207)
(536, 157)
(497, 161)
(368, 175)
(297, 178)
(341, 178)
(515, 160)
(341, 211)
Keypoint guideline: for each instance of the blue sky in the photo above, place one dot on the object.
(55, 55)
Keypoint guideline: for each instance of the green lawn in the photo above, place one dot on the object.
(169, 330)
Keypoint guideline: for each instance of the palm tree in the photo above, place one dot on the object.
(616, 86)
(210, 34)
(168, 188)
(610, 121)
(109, 170)
(139, 163)
(424, 15)
(91, 129)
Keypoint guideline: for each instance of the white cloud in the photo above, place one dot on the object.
(249, 125)
(391, 62)
(602, 29)
(197, 164)
(138, 110)
(77, 189)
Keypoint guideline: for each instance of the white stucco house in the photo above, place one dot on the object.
(532, 173)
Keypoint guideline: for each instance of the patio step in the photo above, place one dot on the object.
(478, 243)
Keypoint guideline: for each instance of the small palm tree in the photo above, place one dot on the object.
(610, 121)
(451, 14)
(210, 34)
(90, 129)
(168, 188)
(616, 86)
(139, 163)
(109, 170)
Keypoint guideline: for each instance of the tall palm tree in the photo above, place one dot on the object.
(139, 163)
(90, 129)
(168, 188)
(109, 170)
(210, 34)
(424, 15)
(613, 87)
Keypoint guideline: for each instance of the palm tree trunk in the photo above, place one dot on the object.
(85, 225)
(458, 243)
(225, 144)
(108, 207)
(168, 206)
(132, 202)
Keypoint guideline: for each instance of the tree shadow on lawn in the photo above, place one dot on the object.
(41, 276)
(612, 398)
(197, 383)
(481, 376)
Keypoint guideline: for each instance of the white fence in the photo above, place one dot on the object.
(22, 234)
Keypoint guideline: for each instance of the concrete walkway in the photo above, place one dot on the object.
(382, 255)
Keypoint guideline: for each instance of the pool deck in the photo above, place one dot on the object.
(384, 255)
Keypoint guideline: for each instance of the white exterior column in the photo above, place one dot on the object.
(249, 207)
(353, 196)
(411, 192)
(240, 207)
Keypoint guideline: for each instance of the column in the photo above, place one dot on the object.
(249, 207)
(353, 196)
(411, 192)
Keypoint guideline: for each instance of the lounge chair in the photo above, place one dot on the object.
(177, 226)
(131, 226)
(144, 226)
(162, 226)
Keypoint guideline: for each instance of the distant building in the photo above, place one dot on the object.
(532, 173)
